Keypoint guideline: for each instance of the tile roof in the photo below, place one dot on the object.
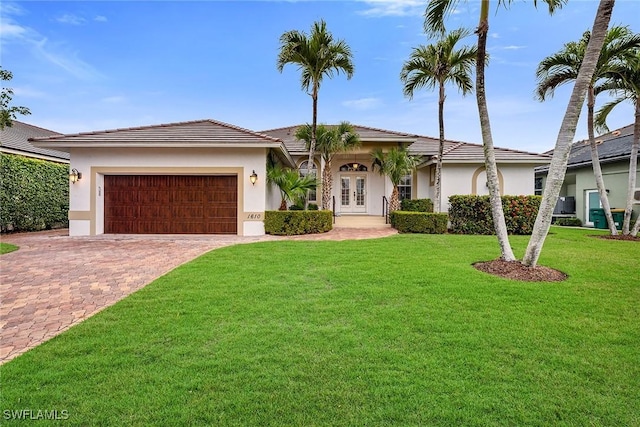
(454, 151)
(612, 146)
(295, 146)
(17, 137)
(192, 133)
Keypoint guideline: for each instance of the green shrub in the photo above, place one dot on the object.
(569, 222)
(34, 194)
(419, 222)
(472, 214)
(289, 223)
(416, 205)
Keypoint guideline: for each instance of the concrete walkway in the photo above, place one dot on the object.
(55, 281)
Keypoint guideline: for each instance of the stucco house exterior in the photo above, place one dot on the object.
(194, 177)
(579, 193)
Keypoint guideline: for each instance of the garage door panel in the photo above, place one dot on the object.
(158, 204)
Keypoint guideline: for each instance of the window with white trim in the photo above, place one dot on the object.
(404, 188)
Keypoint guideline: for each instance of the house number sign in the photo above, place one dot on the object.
(253, 216)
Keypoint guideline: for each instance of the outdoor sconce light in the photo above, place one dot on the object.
(75, 176)
(253, 178)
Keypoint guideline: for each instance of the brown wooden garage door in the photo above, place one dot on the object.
(160, 204)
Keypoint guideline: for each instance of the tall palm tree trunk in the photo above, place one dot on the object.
(438, 183)
(633, 170)
(499, 222)
(312, 144)
(595, 162)
(558, 166)
(327, 186)
(394, 201)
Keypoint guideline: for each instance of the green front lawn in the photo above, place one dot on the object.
(395, 331)
(5, 248)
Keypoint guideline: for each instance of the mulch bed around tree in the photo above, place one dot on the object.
(628, 238)
(515, 270)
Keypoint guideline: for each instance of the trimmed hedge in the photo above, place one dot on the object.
(416, 205)
(289, 223)
(472, 214)
(569, 222)
(34, 194)
(419, 222)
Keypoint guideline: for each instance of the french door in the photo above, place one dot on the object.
(353, 193)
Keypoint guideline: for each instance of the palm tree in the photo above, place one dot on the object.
(434, 66)
(292, 186)
(317, 55)
(435, 13)
(330, 140)
(563, 67)
(624, 82)
(395, 164)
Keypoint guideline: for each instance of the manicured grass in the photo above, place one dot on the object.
(5, 248)
(395, 331)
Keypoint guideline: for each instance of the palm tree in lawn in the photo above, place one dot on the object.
(394, 164)
(292, 186)
(563, 67)
(624, 83)
(434, 66)
(330, 140)
(435, 14)
(317, 55)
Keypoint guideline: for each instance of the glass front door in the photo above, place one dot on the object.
(353, 193)
(593, 201)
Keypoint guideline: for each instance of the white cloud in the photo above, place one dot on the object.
(378, 8)
(71, 19)
(100, 18)
(28, 92)
(363, 103)
(114, 99)
(12, 32)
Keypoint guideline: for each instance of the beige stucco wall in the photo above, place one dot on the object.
(515, 179)
(86, 197)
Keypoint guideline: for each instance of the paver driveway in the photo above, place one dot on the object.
(55, 281)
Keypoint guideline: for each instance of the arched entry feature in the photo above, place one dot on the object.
(479, 182)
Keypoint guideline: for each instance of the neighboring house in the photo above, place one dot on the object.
(579, 193)
(194, 177)
(15, 140)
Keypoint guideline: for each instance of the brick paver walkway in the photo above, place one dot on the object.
(55, 281)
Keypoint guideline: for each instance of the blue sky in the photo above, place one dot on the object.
(92, 65)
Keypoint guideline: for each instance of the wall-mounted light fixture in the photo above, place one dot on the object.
(75, 176)
(253, 178)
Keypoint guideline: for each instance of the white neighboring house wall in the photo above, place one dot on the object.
(86, 204)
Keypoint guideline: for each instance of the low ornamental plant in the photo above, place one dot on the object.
(416, 205)
(472, 214)
(419, 222)
(290, 223)
(569, 222)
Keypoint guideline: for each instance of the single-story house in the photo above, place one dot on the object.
(579, 192)
(194, 177)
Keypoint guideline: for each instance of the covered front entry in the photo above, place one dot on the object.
(170, 204)
(353, 193)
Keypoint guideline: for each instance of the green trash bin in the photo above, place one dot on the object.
(598, 218)
(618, 217)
